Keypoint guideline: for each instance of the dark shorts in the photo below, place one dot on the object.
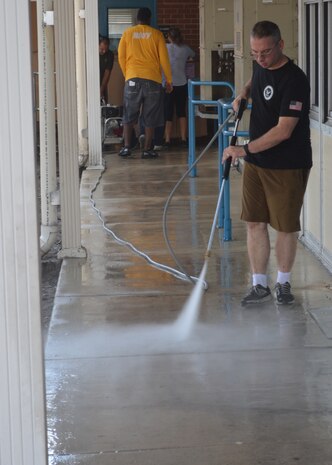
(144, 98)
(177, 97)
(273, 196)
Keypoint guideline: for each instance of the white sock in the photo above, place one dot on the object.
(259, 279)
(283, 277)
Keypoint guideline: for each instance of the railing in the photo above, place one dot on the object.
(192, 103)
(223, 106)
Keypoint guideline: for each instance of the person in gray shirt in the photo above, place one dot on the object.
(179, 53)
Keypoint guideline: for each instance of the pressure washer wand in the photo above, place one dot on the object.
(228, 162)
(189, 313)
(193, 279)
(227, 167)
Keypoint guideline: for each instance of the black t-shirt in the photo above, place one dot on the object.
(105, 62)
(281, 92)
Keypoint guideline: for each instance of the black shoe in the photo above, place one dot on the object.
(184, 144)
(283, 294)
(256, 295)
(149, 154)
(124, 152)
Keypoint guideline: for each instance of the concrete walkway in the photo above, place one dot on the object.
(248, 387)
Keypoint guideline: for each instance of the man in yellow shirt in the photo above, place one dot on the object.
(142, 57)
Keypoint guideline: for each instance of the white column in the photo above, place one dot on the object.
(22, 396)
(64, 27)
(93, 84)
(81, 82)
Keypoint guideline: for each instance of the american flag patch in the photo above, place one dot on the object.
(295, 105)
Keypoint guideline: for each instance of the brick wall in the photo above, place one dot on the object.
(183, 14)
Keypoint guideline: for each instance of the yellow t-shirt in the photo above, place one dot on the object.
(143, 54)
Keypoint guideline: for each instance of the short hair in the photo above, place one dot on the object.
(144, 15)
(266, 29)
(104, 40)
(175, 34)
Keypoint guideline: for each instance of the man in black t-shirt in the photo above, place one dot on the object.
(278, 159)
(106, 60)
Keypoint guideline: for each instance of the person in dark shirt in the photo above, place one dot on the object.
(278, 159)
(106, 61)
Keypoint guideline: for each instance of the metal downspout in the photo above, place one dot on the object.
(83, 149)
(46, 85)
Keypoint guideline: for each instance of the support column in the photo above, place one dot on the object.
(22, 394)
(64, 26)
(93, 84)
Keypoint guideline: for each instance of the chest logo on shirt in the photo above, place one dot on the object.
(268, 92)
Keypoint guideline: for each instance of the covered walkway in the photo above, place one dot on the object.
(249, 386)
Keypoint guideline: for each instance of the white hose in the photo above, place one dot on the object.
(177, 274)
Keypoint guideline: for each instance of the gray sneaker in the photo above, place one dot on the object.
(257, 295)
(283, 294)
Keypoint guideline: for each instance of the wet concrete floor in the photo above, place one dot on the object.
(248, 387)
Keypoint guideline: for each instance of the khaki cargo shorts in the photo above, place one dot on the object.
(273, 196)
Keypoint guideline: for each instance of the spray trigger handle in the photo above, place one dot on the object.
(227, 168)
(242, 107)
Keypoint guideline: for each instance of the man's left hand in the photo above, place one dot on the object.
(234, 152)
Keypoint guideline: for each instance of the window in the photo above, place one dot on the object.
(312, 48)
(118, 21)
(318, 56)
(327, 61)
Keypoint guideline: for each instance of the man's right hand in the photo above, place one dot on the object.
(236, 103)
(244, 94)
